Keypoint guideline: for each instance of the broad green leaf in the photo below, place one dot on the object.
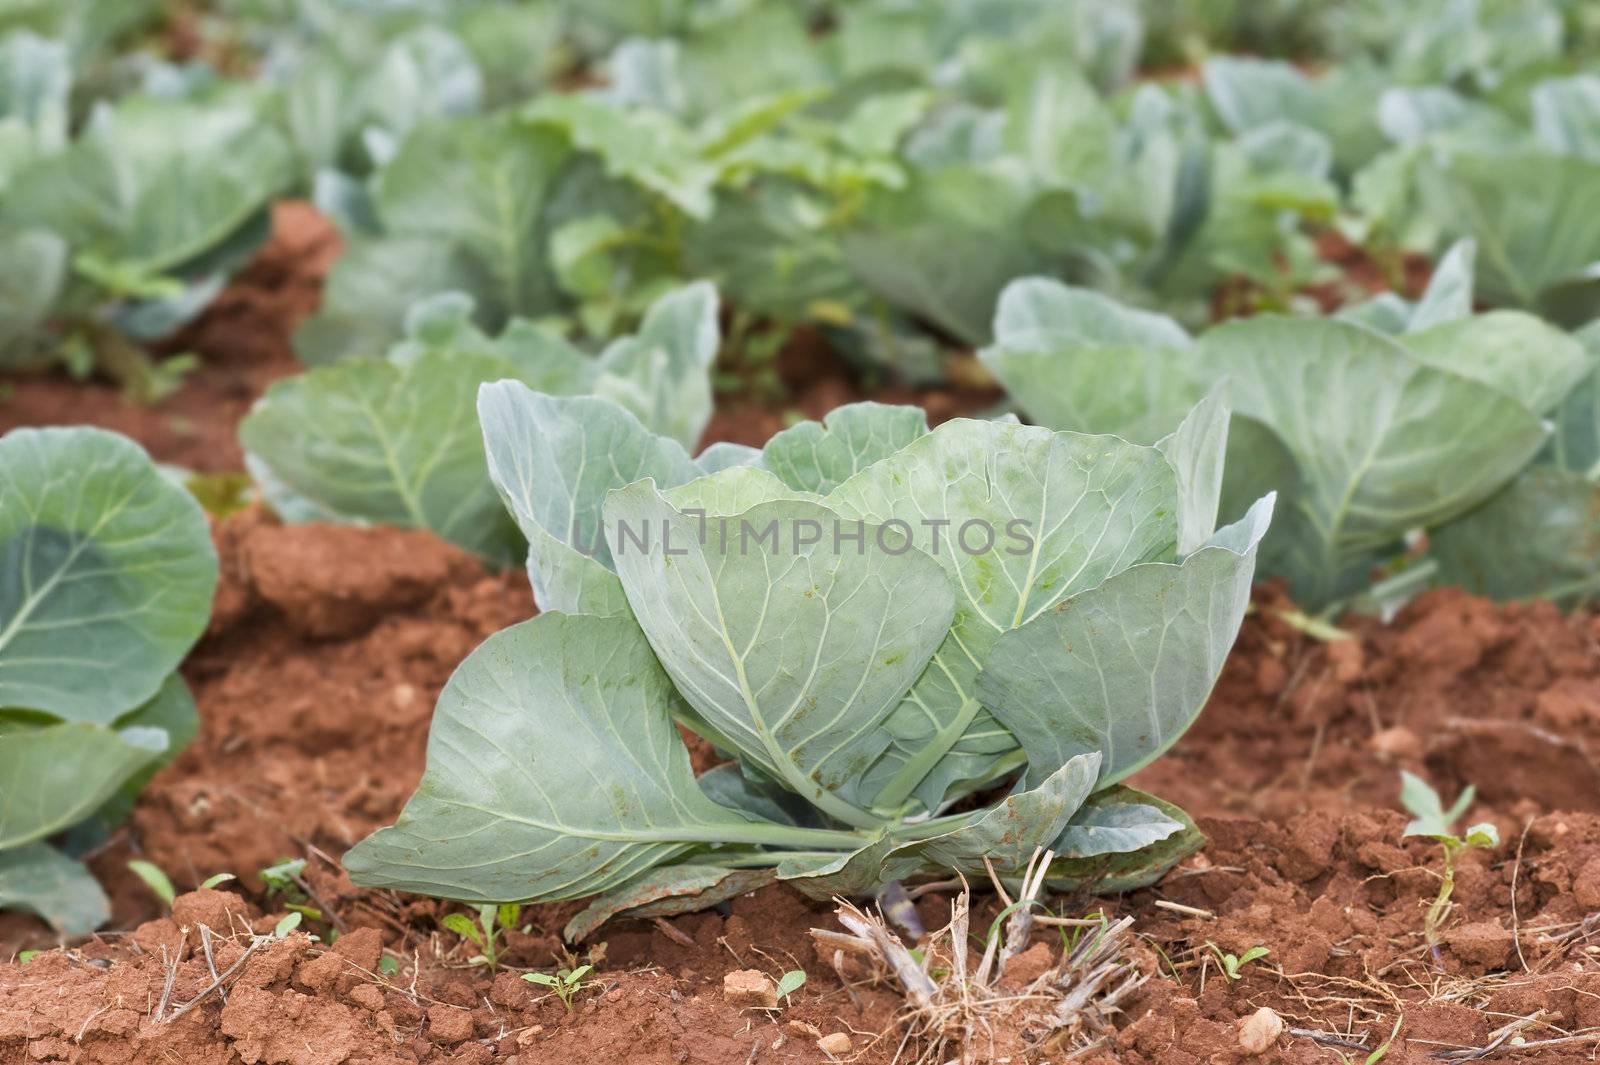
(554, 772)
(666, 891)
(1114, 828)
(544, 360)
(1575, 444)
(730, 492)
(1115, 872)
(1379, 443)
(172, 711)
(1248, 93)
(1011, 830)
(793, 650)
(1448, 296)
(35, 94)
(106, 574)
(57, 775)
(1510, 351)
(945, 246)
(725, 456)
(662, 372)
(33, 270)
(1566, 114)
(1539, 537)
(1124, 668)
(373, 287)
(1079, 360)
(43, 881)
(646, 146)
(739, 787)
(479, 186)
(153, 184)
(1020, 518)
(819, 456)
(464, 207)
(370, 441)
(1536, 219)
(1196, 451)
(553, 459)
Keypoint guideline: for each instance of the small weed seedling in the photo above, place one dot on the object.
(1233, 964)
(485, 935)
(791, 982)
(154, 879)
(565, 984)
(1432, 820)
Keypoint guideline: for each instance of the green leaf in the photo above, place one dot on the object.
(171, 710)
(1114, 828)
(554, 772)
(463, 206)
(724, 456)
(1538, 538)
(106, 574)
(154, 183)
(1010, 831)
(819, 456)
(1566, 114)
(368, 441)
(465, 927)
(1536, 219)
(287, 924)
(1364, 441)
(1124, 667)
(155, 879)
(553, 460)
(480, 186)
(1196, 450)
(663, 892)
(1427, 809)
(212, 881)
(1510, 351)
(1120, 871)
(53, 776)
(33, 271)
(794, 651)
(1080, 360)
(1448, 297)
(1065, 512)
(43, 881)
(791, 981)
(645, 146)
(944, 247)
(663, 372)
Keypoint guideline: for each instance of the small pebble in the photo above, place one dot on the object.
(1260, 1031)
(835, 1045)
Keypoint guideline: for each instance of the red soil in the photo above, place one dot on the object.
(330, 644)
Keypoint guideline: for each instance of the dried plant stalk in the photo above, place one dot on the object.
(957, 1013)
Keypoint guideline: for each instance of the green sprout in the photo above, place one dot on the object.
(791, 982)
(154, 879)
(1233, 964)
(485, 935)
(565, 984)
(1434, 822)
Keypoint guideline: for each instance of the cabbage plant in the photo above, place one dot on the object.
(877, 625)
(120, 234)
(1395, 417)
(106, 578)
(394, 439)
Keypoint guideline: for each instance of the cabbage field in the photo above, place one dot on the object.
(884, 531)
